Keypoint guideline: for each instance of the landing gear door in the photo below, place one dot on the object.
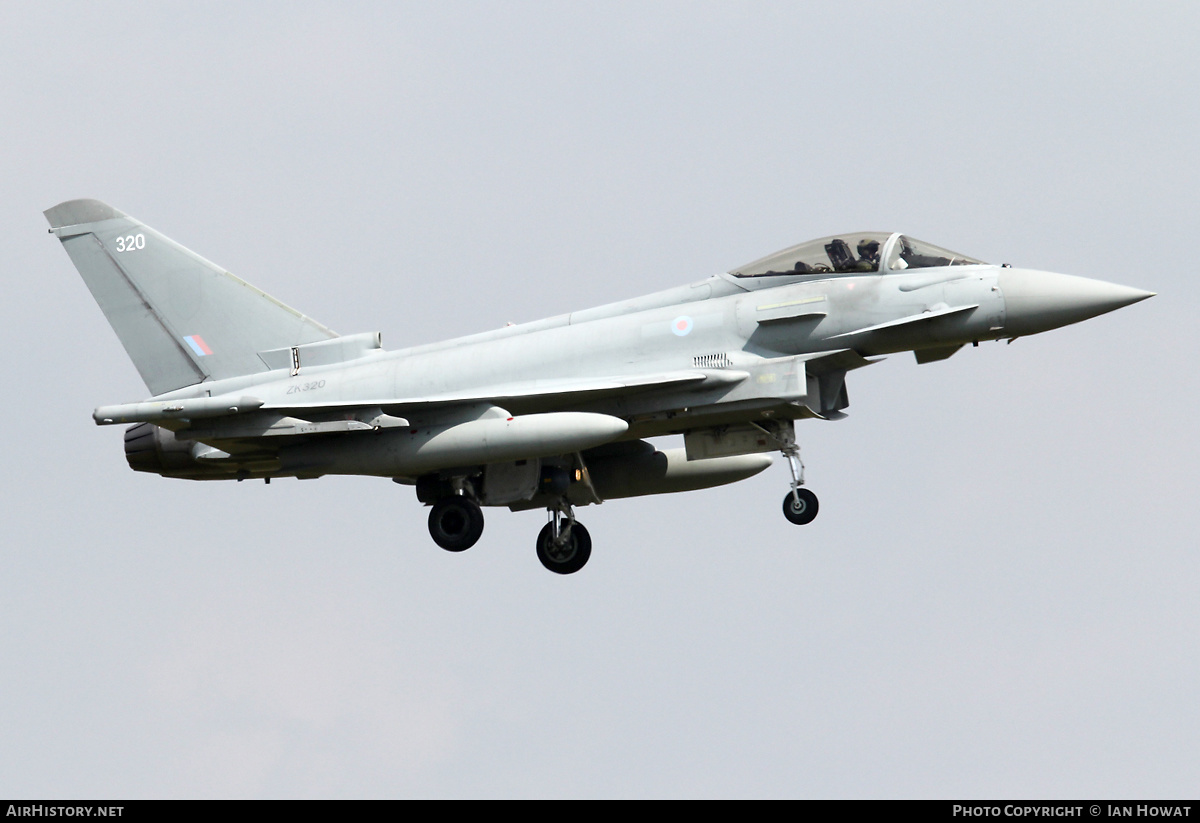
(726, 441)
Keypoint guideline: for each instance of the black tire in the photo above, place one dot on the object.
(573, 555)
(455, 523)
(803, 513)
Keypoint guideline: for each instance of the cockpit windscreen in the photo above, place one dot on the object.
(910, 253)
(843, 253)
(854, 253)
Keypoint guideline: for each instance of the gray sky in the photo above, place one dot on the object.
(998, 599)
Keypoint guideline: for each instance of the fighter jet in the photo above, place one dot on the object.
(553, 414)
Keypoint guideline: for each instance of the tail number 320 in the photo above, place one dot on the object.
(131, 242)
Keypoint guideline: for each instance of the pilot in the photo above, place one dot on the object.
(868, 255)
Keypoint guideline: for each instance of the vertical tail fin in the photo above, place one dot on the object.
(181, 319)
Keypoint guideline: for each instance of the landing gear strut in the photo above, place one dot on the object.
(455, 523)
(800, 506)
(563, 545)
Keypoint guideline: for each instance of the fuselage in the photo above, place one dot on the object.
(770, 342)
(716, 325)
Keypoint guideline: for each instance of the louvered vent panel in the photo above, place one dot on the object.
(711, 361)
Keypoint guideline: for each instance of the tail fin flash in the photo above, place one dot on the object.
(181, 319)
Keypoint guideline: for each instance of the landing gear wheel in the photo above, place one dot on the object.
(568, 558)
(801, 507)
(455, 523)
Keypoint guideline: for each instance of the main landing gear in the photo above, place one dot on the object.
(455, 523)
(563, 546)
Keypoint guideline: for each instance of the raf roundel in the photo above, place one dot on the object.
(681, 325)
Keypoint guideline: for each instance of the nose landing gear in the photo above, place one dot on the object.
(800, 505)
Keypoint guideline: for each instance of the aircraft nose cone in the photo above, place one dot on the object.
(1036, 301)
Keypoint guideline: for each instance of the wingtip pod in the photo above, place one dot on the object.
(78, 212)
(154, 411)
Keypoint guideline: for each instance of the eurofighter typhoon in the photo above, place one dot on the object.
(552, 414)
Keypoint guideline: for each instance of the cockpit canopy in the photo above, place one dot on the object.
(854, 253)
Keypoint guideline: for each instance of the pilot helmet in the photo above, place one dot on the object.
(868, 249)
